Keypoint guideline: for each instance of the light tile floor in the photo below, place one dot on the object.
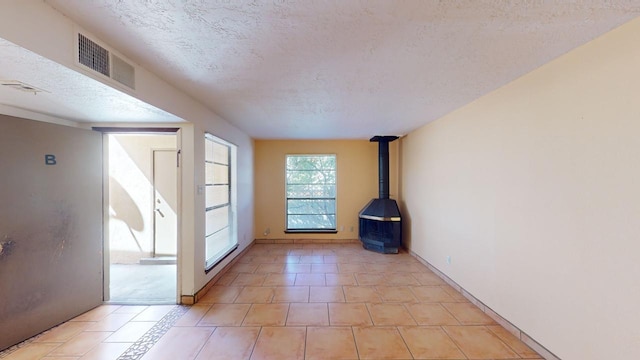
(143, 284)
(294, 301)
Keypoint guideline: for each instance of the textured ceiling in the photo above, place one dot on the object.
(343, 68)
(68, 94)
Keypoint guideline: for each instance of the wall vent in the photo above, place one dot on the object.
(105, 62)
(93, 56)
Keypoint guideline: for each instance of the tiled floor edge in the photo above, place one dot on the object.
(11, 349)
(135, 351)
(192, 299)
(307, 241)
(533, 344)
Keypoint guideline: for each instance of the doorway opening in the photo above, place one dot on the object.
(141, 240)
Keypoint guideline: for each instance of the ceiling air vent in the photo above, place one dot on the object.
(20, 86)
(105, 62)
(93, 56)
(123, 72)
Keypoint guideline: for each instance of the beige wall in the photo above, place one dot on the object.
(534, 192)
(357, 183)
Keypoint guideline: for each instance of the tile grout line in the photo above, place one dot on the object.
(245, 314)
(286, 318)
(205, 342)
(451, 313)
(306, 336)
(255, 343)
(404, 341)
(353, 335)
(442, 327)
(503, 341)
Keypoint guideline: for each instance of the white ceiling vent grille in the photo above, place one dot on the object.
(20, 86)
(93, 56)
(105, 62)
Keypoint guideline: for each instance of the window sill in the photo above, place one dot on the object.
(311, 231)
(221, 257)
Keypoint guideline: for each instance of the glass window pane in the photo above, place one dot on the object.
(220, 153)
(208, 150)
(217, 195)
(208, 174)
(217, 219)
(220, 228)
(217, 242)
(216, 174)
(311, 162)
(311, 177)
(311, 191)
(221, 174)
(299, 222)
(311, 207)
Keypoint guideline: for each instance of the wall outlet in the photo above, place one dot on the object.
(449, 260)
(351, 229)
(267, 231)
(341, 228)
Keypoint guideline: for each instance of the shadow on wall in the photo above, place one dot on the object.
(137, 150)
(406, 217)
(123, 208)
(406, 226)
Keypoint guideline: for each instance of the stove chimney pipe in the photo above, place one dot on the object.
(383, 164)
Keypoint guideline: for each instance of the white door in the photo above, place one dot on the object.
(165, 202)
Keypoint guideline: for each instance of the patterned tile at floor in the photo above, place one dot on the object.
(293, 301)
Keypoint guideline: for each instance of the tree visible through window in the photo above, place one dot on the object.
(311, 192)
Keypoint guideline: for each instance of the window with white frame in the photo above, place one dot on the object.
(220, 228)
(311, 192)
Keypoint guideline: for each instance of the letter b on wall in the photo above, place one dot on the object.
(49, 159)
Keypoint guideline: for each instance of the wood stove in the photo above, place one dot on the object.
(380, 221)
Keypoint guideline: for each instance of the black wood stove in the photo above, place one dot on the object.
(380, 221)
